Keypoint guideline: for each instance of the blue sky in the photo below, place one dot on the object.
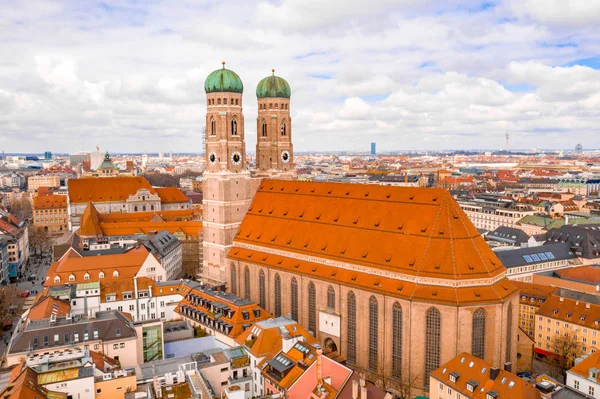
(407, 74)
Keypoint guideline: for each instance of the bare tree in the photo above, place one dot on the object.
(39, 240)
(566, 349)
(407, 387)
(21, 208)
(9, 303)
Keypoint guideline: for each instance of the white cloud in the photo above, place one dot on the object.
(407, 74)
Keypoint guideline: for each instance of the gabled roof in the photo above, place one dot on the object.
(96, 189)
(468, 369)
(25, 386)
(590, 361)
(90, 222)
(420, 232)
(48, 306)
(50, 202)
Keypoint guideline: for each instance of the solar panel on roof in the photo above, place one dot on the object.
(549, 255)
(527, 258)
(535, 257)
(542, 256)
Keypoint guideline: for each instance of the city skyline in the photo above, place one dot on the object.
(129, 77)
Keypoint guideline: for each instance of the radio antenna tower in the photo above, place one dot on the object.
(507, 135)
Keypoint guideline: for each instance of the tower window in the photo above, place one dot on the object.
(219, 101)
(213, 130)
(225, 101)
(264, 129)
(283, 129)
(270, 106)
(234, 127)
(236, 101)
(275, 105)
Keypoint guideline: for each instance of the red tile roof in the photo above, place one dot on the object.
(171, 194)
(96, 189)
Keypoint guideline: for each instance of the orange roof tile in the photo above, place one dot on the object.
(471, 368)
(533, 294)
(414, 231)
(90, 221)
(269, 341)
(583, 368)
(171, 194)
(571, 311)
(48, 306)
(96, 189)
(50, 202)
(586, 274)
(127, 264)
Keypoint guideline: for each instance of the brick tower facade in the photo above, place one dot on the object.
(228, 188)
(274, 149)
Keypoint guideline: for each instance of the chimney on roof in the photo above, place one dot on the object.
(494, 371)
(355, 389)
(363, 389)
(508, 367)
(587, 305)
(561, 299)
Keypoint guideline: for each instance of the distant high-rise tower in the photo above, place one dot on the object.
(579, 149)
(47, 155)
(274, 150)
(373, 148)
(507, 135)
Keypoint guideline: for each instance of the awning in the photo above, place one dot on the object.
(546, 353)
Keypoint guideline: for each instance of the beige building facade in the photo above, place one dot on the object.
(35, 182)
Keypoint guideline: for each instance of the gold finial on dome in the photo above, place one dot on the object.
(223, 62)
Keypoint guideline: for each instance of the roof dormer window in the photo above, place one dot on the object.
(72, 277)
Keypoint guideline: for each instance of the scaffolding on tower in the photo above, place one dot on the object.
(203, 151)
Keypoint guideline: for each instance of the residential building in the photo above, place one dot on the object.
(168, 250)
(469, 377)
(585, 279)
(221, 314)
(509, 236)
(523, 263)
(490, 217)
(584, 376)
(267, 338)
(37, 181)
(50, 212)
(5, 242)
(302, 372)
(17, 234)
(532, 296)
(561, 316)
(583, 241)
(110, 333)
(13, 180)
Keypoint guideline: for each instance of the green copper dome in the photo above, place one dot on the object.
(273, 86)
(223, 80)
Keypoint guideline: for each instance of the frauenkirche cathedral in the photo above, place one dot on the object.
(395, 281)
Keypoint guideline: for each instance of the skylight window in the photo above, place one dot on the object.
(535, 257)
(527, 258)
(549, 255)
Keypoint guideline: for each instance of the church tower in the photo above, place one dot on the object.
(227, 186)
(274, 149)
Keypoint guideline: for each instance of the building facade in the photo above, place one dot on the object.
(50, 212)
(35, 182)
(328, 255)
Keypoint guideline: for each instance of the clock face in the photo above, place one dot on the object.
(212, 157)
(285, 156)
(236, 158)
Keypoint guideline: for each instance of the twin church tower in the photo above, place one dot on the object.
(228, 186)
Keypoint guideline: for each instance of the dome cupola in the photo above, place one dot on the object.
(273, 87)
(223, 80)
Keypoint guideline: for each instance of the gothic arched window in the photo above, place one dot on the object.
(397, 340)
(331, 298)
(312, 308)
(509, 334)
(247, 283)
(225, 101)
(277, 295)
(213, 130)
(233, 287)
(432, 342)
(283, 129)
(219, 101)
(351, 351)
(373, 333)
(294, 287)
(262, 297)
(264, 129)
(478, 334)
(234, 127)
